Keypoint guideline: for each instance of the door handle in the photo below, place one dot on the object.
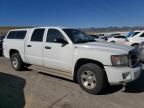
(47, 47)
(29, 45)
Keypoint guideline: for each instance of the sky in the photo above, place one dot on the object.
(72, 13)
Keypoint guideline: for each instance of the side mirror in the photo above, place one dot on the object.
(61, 41)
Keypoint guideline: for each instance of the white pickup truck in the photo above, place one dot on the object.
(72, 54)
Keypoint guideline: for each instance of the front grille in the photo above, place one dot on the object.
(133, 58)
(0, 45)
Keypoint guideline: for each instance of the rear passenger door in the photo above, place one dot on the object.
(34, 47)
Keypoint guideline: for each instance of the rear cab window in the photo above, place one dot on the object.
(20, 34)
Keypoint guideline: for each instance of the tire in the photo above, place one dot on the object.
(16, 62)
(98, 77)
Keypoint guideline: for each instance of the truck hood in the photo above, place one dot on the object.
(106, 47)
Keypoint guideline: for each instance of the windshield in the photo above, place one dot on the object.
(131, 34)
(77, 36)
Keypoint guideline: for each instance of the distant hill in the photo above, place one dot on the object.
(112, 29)
(4, 30)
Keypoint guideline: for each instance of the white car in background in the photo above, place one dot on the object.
(135, 38)
(97, 38)
(117, 39)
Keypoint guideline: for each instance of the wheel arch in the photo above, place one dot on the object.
(12, 51)
(83, 61)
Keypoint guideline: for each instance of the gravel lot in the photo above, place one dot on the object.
(33, 89)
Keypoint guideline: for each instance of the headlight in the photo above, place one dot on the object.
(119, 60)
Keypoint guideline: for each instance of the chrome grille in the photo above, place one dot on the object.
(133, 58)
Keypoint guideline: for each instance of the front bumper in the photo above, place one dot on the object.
(122, 75)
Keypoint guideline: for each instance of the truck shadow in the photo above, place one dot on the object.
(136, 86)
(107, 90)
(46, 74)
(1, 54)
(111, 89)
(11, 91)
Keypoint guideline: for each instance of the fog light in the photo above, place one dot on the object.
(126, 75)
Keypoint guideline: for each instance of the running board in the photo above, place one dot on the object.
(54, 72)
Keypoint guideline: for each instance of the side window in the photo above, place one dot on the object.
(37, 35)
(142, 35)
(122, 37)
(53, 35)
(11, 35)
(116, 37)
(20, 34)
(119, 37)
(16, 35)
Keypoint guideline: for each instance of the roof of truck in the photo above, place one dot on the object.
(56, 27)
(20, 29)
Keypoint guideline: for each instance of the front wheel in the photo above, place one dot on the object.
(91, 78)
(16, 62)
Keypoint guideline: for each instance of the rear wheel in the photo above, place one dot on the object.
(16, 62)
(91, 78)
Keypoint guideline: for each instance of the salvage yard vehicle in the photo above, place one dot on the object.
(117, 39)
(97, 38)
(140, 50)
(70, 53)
(135, 38)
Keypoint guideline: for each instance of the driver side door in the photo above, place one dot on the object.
(56, 55)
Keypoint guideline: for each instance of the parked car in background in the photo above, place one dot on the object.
(97, 38)
(1, 44)
(135, 38)
(104, 37)
(140, 50)
(117, 39)
(133, 33)
(101, 34)
(72, 54)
